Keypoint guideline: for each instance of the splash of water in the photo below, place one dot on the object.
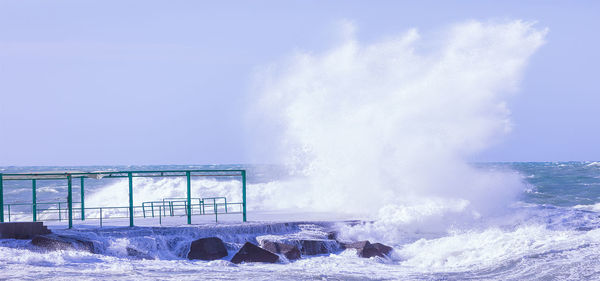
(385, 129)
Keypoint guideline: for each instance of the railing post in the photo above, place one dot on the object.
(1, 198)
(82, 200)
(70, 199)
(130, 199)
(189, 197)
(100, 217)
(59, 215)
(33, 200)
(244, 195)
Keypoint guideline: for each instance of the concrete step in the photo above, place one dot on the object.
(22, 230)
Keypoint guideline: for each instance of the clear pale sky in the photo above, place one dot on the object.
(167, 82)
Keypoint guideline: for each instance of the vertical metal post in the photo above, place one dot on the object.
(215, 208)
(244, 195)
(59, 211)
(100, 217)
(70, 199)
(82, 200)
(1, 199)
(189, 197)
(33, 200)
(130, 199)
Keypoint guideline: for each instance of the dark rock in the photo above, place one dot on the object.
(332, 235)
(384, 249)
(138, 254)
(366, 250)
(252, 253)
(211, 248)
(314, 247)
(63, 242)
(291, 252)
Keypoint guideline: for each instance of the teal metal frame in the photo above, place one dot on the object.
(1, 198)
(118, 174)
(82, 200)
(130, 176)
(70, 199)
(34, 200)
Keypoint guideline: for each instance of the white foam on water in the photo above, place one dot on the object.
(593, 207)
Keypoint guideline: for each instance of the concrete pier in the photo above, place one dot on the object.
(22, 230)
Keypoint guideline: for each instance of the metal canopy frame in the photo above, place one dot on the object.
(69, 175)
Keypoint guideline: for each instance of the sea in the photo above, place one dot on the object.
(550, 231)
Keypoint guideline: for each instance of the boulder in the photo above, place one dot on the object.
(137, 254)
(291, 252)
(365, 249)
(252, 253)
(314, 247)
(384, 249)
(63, 242)
(210, 248)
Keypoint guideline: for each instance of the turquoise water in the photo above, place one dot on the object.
(564, 184)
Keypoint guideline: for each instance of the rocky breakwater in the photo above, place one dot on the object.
(248, 243)
(289, 247)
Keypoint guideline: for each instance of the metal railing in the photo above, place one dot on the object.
(170, 204)
(69, 175)
(60, 208)
(107, 213)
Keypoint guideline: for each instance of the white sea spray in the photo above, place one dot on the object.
(386, 128)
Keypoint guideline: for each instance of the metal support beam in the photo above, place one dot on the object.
(70, 199)
(1, 199)
(82, 200)
(33, 200)
(244, 195)
(189, 197)
(130, 175)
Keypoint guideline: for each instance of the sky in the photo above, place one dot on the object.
(169, 82)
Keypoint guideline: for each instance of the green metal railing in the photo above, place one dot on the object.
(35, 209)
(175, 203)
(170, 204)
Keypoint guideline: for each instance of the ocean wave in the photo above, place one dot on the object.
(490, 247)
(592, 207)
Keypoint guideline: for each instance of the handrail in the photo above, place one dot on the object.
(102, 214)
(130, 174)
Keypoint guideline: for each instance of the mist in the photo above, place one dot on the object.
(385, 129)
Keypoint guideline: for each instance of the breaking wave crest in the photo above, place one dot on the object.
(386, 129)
